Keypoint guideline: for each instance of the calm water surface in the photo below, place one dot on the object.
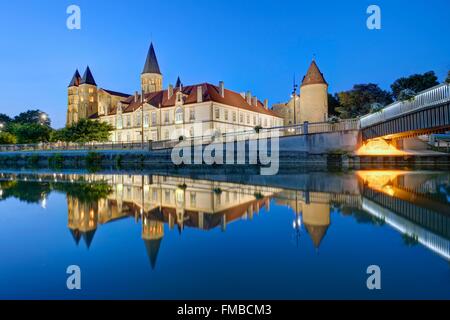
(158, 236)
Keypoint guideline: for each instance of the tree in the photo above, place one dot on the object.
(406, 95)
(361, 100)
(30, 133)
(4, 119)
(415, 82)
(448, 78)
(7, 138)
(85, 130)
(33, 117)
(333, 104)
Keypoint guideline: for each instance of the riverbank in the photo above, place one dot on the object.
(287, 161)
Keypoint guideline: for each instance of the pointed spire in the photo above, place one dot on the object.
(88, 237)
(76, 235)
(76, 79)
(151, 64)
(313, 76)
(178, 84)
(152, 247)
(88, 78)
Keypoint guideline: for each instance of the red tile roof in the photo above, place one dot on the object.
(313, 76)
(160, 99)
(115, 93)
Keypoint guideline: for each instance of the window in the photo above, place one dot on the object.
(179, 115)
(265, 122)
(155, 195)
(128, 121)
(217, 112)
(119, 137)
(119, 122)
(191, 131)
(128, 137)
(166, 117)
(146, 120)
(91, 90)
(254, 120)
(248, 119)
(226, 115)
(241, 118)
(138, 120)
(153, 118)
(91, 99)
(193, 199)
(167, 195)
(166, 135)
(192, 115)
(234, 116)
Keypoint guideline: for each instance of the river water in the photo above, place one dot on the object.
(214, 236)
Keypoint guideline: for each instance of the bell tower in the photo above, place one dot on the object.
(88, 95)
(73, 99)
(151, 77)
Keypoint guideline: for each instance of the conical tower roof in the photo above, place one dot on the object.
(151, 64)
(178, 84)
(76, 79)
(88, 78)
(313, 76)
(317, 233)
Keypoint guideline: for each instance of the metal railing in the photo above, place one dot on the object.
(433, 96)
(299, 129)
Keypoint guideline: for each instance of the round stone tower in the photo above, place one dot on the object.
(313, 96)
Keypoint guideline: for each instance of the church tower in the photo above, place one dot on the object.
(151, 77)
(88, 96)
(73, 99)
(314, 96)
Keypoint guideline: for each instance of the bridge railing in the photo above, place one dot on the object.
(298, 129)
(433, 96)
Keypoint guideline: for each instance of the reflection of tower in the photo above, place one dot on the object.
(83, 218)
(152, 233)
(316, 218)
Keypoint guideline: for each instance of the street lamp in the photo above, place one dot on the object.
(1, 126)
(294, 95)
(43, 118)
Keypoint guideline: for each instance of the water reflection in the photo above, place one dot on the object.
(416, 204)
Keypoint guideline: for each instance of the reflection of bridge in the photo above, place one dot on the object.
(426, 113)
(406, 203)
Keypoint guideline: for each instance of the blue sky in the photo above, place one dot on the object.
(251, 45)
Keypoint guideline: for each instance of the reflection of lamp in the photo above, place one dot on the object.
(44, 202)
(297, 225)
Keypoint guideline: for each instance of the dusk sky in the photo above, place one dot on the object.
(251, 45)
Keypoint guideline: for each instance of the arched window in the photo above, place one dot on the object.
(179, 115)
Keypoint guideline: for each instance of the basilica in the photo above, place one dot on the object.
(155, 113)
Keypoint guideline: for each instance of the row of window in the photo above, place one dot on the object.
(129, 121)
(247, 118)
